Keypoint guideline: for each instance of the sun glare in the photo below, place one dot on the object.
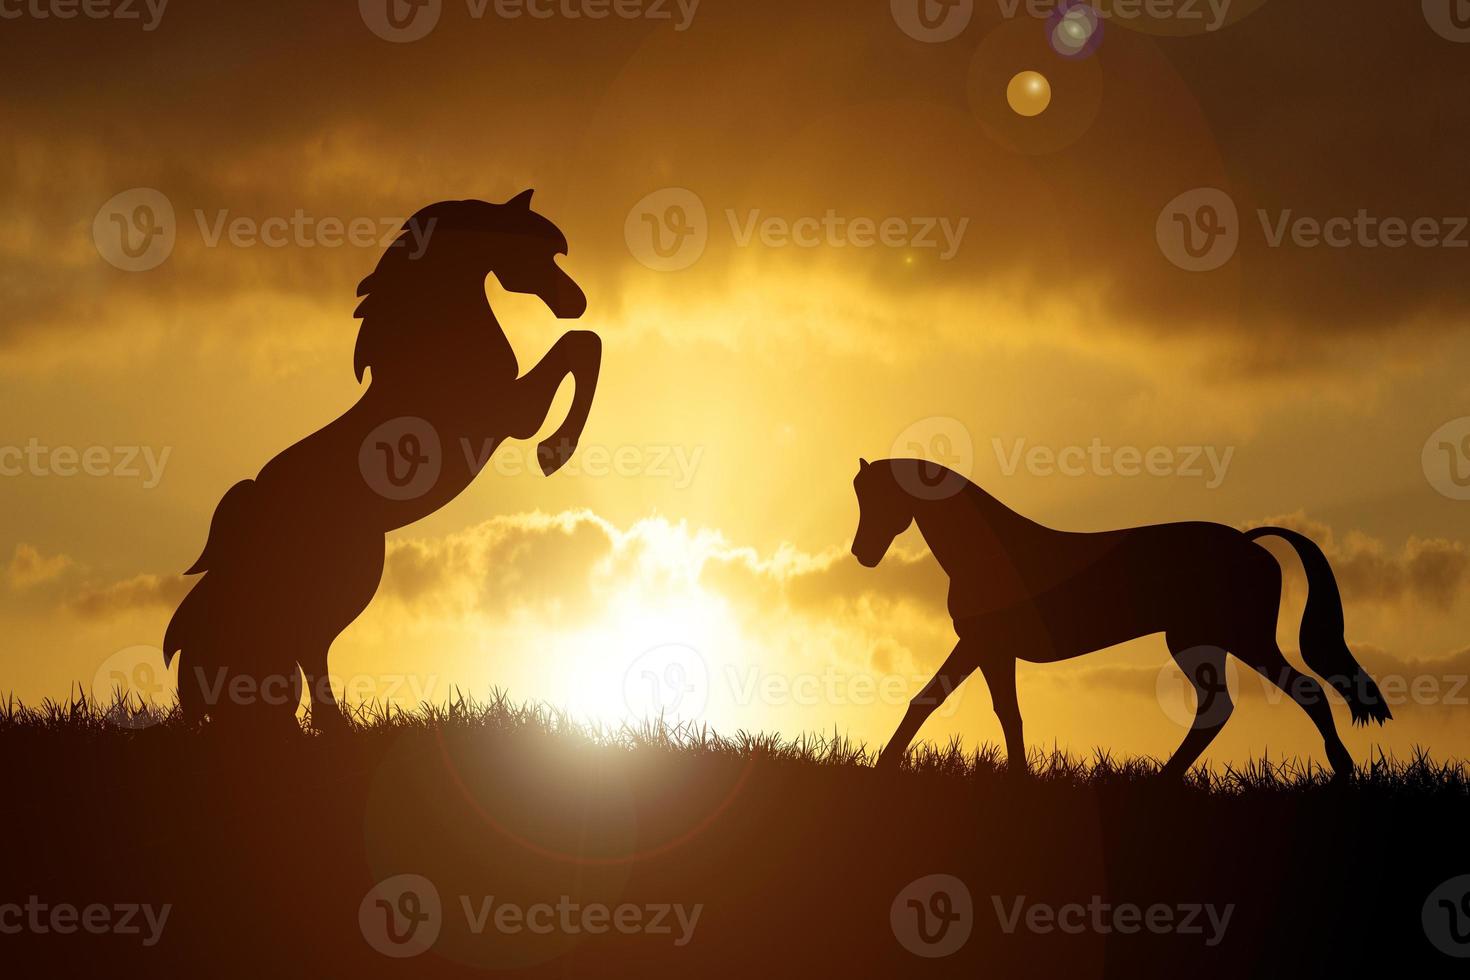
(658, 647)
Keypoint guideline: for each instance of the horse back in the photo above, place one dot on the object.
(1075, 593)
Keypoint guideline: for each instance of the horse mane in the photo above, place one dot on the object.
(972, 493)
(396, 288)
(387, 293)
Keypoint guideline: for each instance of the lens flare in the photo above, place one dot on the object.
(1029, 93)
(1075, 30)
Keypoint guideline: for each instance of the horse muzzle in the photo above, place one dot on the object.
(565, 299)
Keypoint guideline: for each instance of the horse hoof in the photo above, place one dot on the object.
(553, 454)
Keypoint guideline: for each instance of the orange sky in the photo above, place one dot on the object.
(893, 262)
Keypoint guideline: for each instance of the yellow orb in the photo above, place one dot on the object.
(1029, 93)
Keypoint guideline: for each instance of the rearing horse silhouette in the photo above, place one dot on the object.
(296, 554)
(1021, 591)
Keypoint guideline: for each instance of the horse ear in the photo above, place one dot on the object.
(862, 464)
(521, 200)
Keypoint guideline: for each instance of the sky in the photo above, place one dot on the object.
(1219, 276)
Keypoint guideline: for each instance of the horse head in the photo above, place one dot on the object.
(448, 249)
(885, 511)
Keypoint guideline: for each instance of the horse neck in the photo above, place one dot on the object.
(957, 525)
(459, 312)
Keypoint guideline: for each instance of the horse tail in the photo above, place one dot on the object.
(189, 632)
(229, 528)
(1322, 643)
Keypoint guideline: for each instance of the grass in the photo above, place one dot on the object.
(127, 716)
(794, 847)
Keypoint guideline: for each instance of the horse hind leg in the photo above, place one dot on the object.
(1204, 666)
(327, 716)
(1266, 658)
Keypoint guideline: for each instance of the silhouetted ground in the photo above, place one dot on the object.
(794, 854)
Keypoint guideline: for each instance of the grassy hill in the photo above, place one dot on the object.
(544, 848)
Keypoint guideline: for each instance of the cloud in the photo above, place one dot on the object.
(1247, 109)
(28, 567)
(141, 593)
(1440, 684)
(568, 561)
(1431, 571)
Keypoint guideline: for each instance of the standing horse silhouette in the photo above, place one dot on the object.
(1022, 591)
(296, 554)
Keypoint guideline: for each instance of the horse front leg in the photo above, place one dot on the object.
(960, 664)
(577, 353)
